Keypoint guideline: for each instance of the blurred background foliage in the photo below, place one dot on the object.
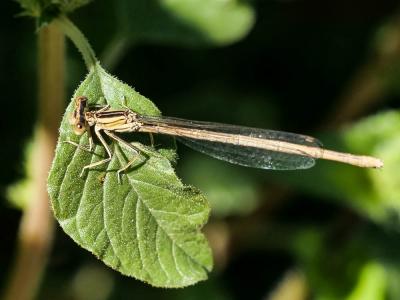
(329, 69)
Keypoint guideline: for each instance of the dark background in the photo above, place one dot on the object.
(289, 73)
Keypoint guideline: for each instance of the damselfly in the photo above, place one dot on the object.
(252, 147)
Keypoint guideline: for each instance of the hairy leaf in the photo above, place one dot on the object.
(148, 226)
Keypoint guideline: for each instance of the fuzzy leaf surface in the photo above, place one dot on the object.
(148, 226)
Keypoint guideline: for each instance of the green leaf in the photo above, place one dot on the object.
(147, 227)
(356, 268)
(373, 193)
(30, 7)
(185, 22)
(372, 283)
(19, 193)
(46, 10)
(378, 135)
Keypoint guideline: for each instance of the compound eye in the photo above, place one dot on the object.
(79, 128)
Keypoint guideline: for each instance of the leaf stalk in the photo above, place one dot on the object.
(79, 40)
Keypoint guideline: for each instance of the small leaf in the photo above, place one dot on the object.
(46, 10)
(186, 22)
(147, 227)
(32, 8)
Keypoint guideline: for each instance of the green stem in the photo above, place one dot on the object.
(78, 39)
(37, 224)
(115, 50)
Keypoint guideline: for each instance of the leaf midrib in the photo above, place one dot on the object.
(132, 181)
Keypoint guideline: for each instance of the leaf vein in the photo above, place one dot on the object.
(158, 253)
(175, 262)
(65, 173)
(106, 231)
(137, 232)
(174, 213)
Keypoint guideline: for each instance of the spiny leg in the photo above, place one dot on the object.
(103, 161)
(87, 149)
(107, 107)
(84, 148)
(130, 146)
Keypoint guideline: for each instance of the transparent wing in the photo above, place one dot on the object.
(236, 151)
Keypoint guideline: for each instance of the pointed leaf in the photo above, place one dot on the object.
(147, 227)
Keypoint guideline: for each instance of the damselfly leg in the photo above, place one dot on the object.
(129, 146)
(110, 154)
(100, 162)
(83, 120)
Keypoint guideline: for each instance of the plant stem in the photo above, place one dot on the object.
(114, 51)
(292, 286)
(37, 224)
(78, 39)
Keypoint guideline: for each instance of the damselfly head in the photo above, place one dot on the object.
(77, 119)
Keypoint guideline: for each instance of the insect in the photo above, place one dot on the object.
(252, 147)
